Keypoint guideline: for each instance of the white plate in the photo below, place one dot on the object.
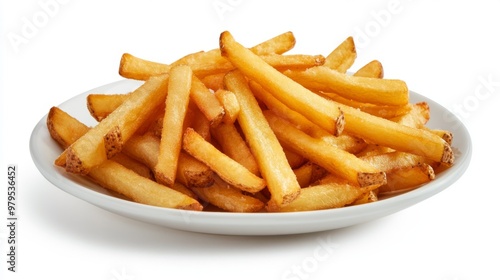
(44, 150)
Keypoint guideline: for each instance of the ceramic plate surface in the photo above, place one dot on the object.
(44, 150)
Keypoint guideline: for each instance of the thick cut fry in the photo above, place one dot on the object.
(317, 109)
(206, 101)
(134, 165)
(334, 160)
(343, 56)
(445, 134)
(372, 69)
(370, 90)
(395, 160)
(190, 171)
(133, 67)
(107, 138)
(407, 178)
(230, 104)
(202, 63)
(293, 61)
(233, 145)
(63, 128)
(228, 169)
(344, 141)
(114, 176)
(323, 196)
(399, 137)
(176, 106)
(273, 164)
(383, 111)
(101, 105)
(278, 44)
(229, 198)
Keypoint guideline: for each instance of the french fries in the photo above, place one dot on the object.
(228, 169)
(274, 167)
(343, 56)
(107, 138)
(176, 106)
(112, 174)
(333, 159)
(319, 110)
(255, 130)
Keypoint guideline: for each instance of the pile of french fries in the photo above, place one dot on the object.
(254, 130)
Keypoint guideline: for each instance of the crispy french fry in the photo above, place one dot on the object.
(344, 141)
(343, 56)
(107, 138)
(202, 63)
(383, 111)
(133, 67)
(334, 160)
(229, 198)
(372, 69)
(176, 106)
(399, 137)
(323, 196)
(370, 90)
(395, 160)
(101, 105)
(278, 44)
(230, 104)
(317, 109)
(207, 102)
(407, 178)
(190, 172)
(293, 61)
(113, 175)
(116, 177)
(273, 164)
(234, 146)
(228, 169)
(64, 128)
(134, 165)
(445, 134)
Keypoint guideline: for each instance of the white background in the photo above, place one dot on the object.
(443, 49)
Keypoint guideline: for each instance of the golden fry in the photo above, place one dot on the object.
(176, 106)
(317, 109)
(107, 138)
(230, 104)
(273, 164)
(228, 169)
(343, 56)
(334, 160)
(370, 90)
